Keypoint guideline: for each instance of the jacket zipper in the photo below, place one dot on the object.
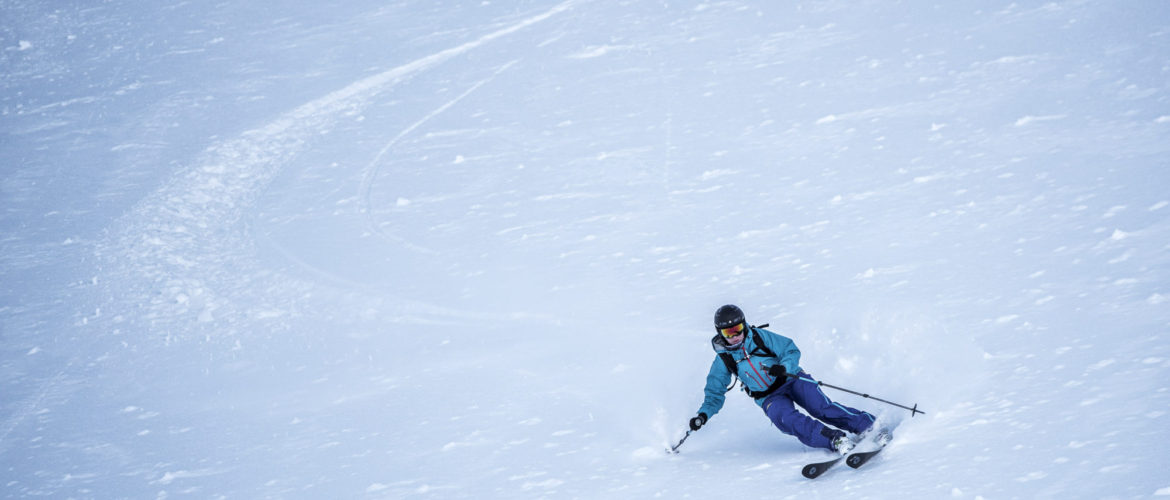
(747, 357)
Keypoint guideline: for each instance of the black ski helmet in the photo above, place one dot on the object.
(728, 316)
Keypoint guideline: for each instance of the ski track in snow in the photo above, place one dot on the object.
(195, 222)
(370, 172)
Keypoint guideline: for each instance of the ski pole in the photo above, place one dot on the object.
(674, 449)
(913, 410)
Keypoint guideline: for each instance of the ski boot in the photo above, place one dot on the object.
(842, 444)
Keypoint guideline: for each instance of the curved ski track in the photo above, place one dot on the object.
(179, 250)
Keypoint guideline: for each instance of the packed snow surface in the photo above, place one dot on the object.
(472, 249)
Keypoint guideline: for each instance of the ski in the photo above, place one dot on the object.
(856, 460)
(814, 470)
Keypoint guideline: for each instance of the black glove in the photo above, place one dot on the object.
(777, 371)
(698, 421)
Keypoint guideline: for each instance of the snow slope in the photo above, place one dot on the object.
(472, 250)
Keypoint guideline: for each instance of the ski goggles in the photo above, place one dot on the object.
(732, 331)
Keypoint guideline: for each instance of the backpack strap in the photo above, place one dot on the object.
(761, 349)
(728, 361)
(764, 393)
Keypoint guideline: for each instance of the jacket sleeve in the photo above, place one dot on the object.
(715, 392)
(785, 348)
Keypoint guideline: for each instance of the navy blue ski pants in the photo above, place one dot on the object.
(779, 406)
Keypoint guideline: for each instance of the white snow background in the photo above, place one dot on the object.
(471, 249)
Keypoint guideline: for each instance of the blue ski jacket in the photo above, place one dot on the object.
(751, 365)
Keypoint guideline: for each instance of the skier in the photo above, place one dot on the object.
(768, 366)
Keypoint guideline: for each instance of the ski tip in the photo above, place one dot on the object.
(814, 470)
(856, 460)
(811, 471)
